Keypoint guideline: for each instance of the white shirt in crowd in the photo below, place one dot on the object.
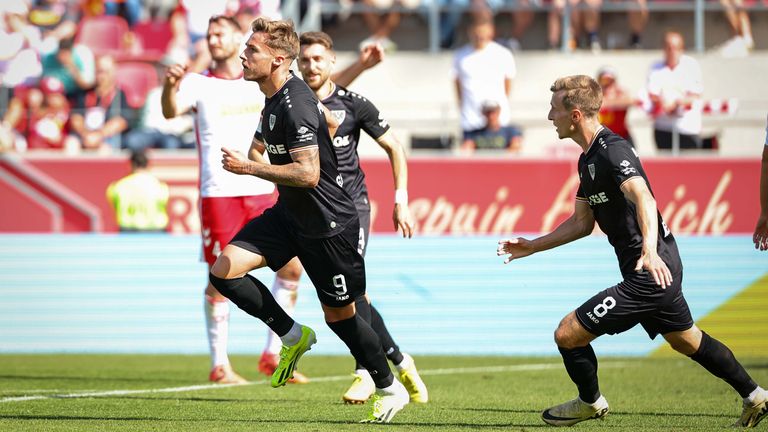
(481, 74)
(671, 84)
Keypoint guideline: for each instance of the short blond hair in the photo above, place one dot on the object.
(281, 35)
(582, 92)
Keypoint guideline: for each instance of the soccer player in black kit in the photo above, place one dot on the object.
(614, 192)
(354, 113)
(314, 219)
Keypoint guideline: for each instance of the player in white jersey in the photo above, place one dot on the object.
(760, 237)
(227, 109)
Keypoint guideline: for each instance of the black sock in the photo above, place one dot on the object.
(365, 348)
(581, 365)
(363, 310)
(391, 350)
(720, 362)
(252, 296)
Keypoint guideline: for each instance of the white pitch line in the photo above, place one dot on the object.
(446, 371)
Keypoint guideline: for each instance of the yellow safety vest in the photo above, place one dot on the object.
(140, 201)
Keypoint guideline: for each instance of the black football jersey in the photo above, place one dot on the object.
(608, 163)
(354, 113)
(293, 120)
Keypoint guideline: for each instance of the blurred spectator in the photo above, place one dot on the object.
(139, 199)
(483, 71)
(450, 17)
(20, 42)
(674, 88)
(57, 19)
(637, 17)
(128, 9)
(37, 118)
(616, 103)
(742, 41)
(494, 136)
(154, 130)
(73, 65)
(189, 23)
(585, 18)
(522, 18)
(385, 20)
(102, 114)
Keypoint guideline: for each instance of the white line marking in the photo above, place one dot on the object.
(447, 371)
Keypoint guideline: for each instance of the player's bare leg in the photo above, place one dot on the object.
(573, 341)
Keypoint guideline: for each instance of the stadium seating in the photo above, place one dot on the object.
(136, 79)
(103, 34)
(154, 38)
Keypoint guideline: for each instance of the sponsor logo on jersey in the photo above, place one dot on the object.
(598, 198)
(592, 317)
(339, 115)
(276, 148)
(591, 168)
(272, 121)
(302, 130)
(306, 137)
(382, 122)
(339, 181)
(341, 141)
(626, 169)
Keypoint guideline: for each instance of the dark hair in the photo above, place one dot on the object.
(581, 92)
(225, 19)
(281, 35)
(316, 37)
(139, 159)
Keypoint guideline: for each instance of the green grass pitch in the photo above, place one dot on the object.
(170, 393)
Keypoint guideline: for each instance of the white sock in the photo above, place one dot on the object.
(217, 324)
(293, 336)
(363, 373)
(394, 388)
(285, 293)
(406, 363)
(751, 398)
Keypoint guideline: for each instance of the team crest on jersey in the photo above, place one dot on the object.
(272, 121)
(339, 115)
(591, 168)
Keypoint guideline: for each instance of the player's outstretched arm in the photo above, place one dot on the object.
(370, 56)
(304, 171)
(636, 190)
(580, 224)
(760, 237)
(401, 215)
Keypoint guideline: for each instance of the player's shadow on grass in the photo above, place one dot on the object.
(208, 399)
(669, 414)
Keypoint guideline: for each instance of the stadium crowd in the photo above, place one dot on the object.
(84, 75)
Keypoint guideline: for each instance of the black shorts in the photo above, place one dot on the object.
(363, 207)
(333, 264)
(637, 300)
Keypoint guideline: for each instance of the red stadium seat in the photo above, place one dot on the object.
(136, 79)
(154, 37)
(103, 34)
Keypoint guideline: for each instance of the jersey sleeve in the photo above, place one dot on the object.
(370, 118)
(580, 196)
(303, 119)
(623, 162)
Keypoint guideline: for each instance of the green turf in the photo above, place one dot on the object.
(644, 394)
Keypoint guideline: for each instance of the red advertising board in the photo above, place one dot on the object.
(448, 196)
